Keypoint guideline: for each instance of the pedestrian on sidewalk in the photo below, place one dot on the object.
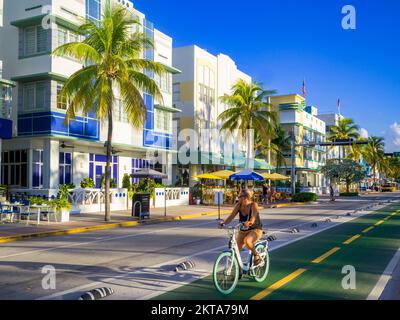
(265, 193)
(332, 192)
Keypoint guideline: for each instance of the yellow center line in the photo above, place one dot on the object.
(368, 229)
(379, 223)
(326, 255)
(352, 239)
(265, 293)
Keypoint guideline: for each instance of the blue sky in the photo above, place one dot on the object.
(279, 43)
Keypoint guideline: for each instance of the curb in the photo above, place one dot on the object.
(285, 205)
(128, 224)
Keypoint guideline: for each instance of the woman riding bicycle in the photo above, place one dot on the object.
(250, 217)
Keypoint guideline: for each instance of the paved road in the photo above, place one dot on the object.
(139, 262)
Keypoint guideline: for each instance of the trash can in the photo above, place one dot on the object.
(141, 205)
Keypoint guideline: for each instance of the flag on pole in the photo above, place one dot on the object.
(339, 107)
(304, 89)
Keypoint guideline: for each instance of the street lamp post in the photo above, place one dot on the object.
(293, 167)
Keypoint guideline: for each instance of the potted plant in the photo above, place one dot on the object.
(62, 208)
(87, 183)
(3, 193)
(113, 185)
(196, 193)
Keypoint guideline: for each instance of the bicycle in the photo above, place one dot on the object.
(229, 266)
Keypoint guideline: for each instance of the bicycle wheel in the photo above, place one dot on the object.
(260, 273)
(226, 273)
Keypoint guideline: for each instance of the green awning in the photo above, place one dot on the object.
(8, 82)
(37, 20)
(40, 76)
(168, 109)
(170, 69)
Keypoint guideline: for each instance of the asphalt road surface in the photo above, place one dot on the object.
(139, 263)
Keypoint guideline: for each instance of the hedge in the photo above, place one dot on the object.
(305, 197)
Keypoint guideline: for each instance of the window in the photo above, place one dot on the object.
(61, 101)
(164, 82)
(35, 41)
(137, 165)
(14, 168)
(119, 111)
(97, 167)
(206, 94)
(65, 170)
(93, 9)
(177, 92)
(34, 95)
(163, 121)
(37, 168)
(62, 36)
(66, 36)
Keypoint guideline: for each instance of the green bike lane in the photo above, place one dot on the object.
(312, 268)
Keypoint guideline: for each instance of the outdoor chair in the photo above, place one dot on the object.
(5, 212)
(49, 213)
(25, 211)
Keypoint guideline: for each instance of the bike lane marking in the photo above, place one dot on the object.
(326, 255)
(352, 239)
(368, 229)
(277, 285)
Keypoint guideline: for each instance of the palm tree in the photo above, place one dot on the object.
(248, 110)
(346, 129)
(280, 142)
(374, 152)
(112, 57)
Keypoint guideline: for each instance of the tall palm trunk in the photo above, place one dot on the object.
(108, 166)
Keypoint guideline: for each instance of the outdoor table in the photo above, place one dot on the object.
(11, 206)
(39, 208)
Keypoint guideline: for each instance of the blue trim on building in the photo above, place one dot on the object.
(5, 129)
(48, 123)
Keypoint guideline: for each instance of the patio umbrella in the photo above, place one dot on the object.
(275, 177)
(224, 174)
(149, 174)
(246, 175)
(152, 174)
(207, 176)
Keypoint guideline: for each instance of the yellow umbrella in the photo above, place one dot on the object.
(224, 174)
(207, 176)
(275, 176)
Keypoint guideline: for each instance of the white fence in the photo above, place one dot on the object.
(82, 200)
(92, 200)
(171, 197)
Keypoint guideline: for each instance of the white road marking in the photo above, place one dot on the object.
(102, 240)
(376, 293)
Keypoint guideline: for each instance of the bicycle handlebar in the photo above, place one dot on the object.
(239, 226)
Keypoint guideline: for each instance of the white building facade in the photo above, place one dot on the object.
(204, 79)
(301, 121)
(6, 87)
(44, 153)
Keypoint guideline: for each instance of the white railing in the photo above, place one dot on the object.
(93, 200)
(171, 197)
